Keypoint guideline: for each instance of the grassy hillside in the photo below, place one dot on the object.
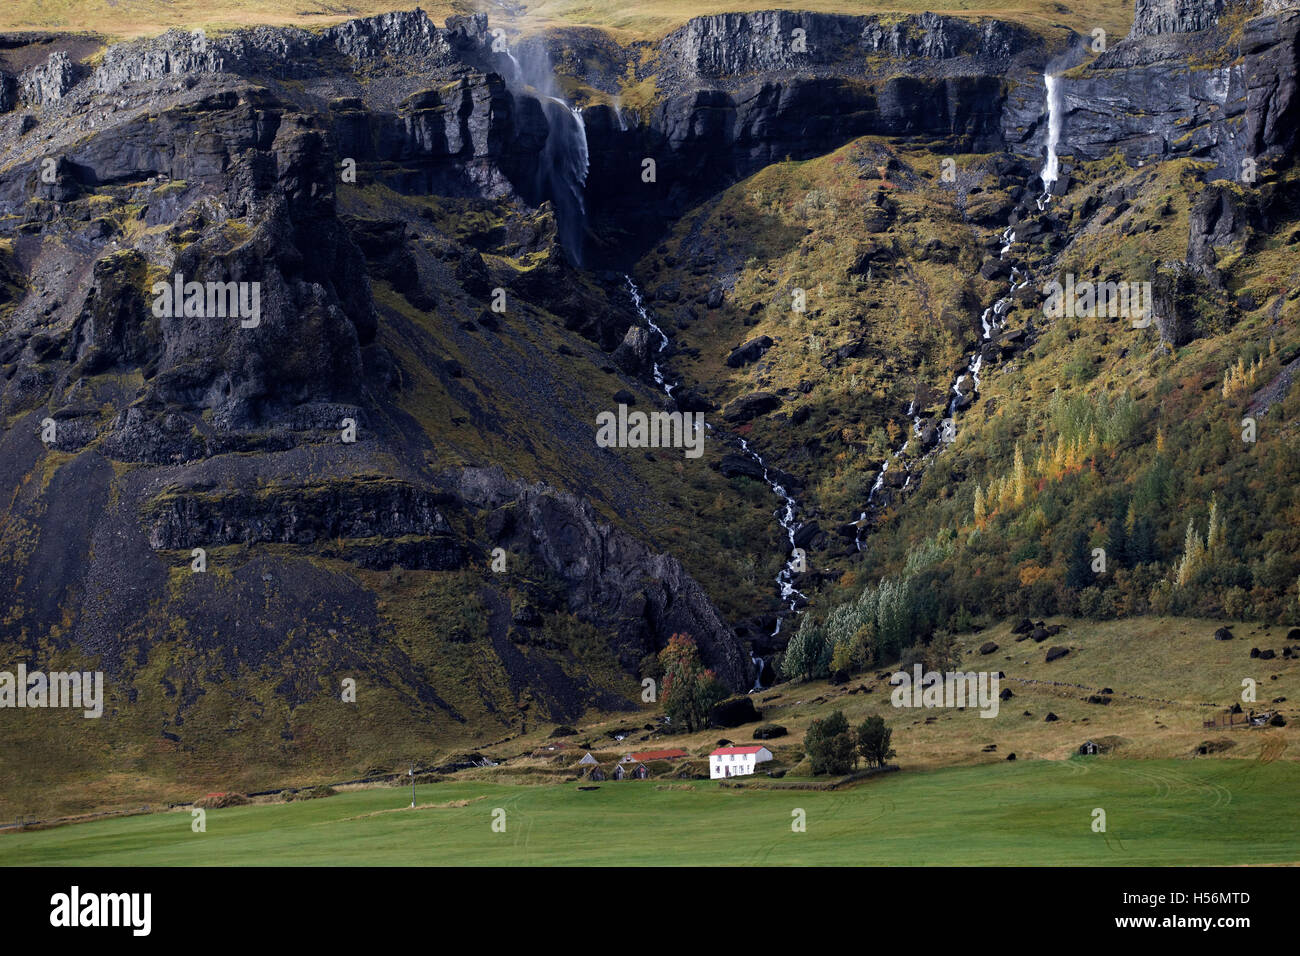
(1126, 440)
(1167, 676)
(1025, 813)
(650, 20)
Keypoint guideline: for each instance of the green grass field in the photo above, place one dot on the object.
(1166, 812)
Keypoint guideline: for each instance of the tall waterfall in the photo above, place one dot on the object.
(562, 172)
(1051, 170)
(563, 164)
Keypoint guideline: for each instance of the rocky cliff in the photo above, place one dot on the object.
(389, 467)
(1180, 85)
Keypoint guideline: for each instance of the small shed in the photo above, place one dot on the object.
(587, 760)
(596, 774)
(1089, 748)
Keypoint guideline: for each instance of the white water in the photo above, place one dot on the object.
(657, 370)
(563, 172)
(785, 517)
(1051, 168)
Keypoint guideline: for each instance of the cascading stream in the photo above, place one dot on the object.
(993, 319)
(786, 515)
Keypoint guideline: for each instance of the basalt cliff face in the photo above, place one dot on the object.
(1182, 84)
(386, 470)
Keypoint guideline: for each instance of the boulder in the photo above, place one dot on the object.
(733, 712)
(1050, 718)
(633, 353)
(751, 351)
(1055, 653)
(1006, 694)
(1039, 634)
(988, 647)
(750, 406)
(995, 269)
(806, 533)
(1223, 634)
(769, 731)
(1024, 627)
(733, 466)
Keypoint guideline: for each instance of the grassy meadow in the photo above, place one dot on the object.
(1215, 812)
(957, 799)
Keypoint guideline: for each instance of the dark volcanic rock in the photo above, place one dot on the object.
(609, 578)
(734, 712)
(633, 353)
(741, 465)
(750, 406)
(751, 351)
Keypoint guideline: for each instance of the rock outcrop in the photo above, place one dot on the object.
(608, 577)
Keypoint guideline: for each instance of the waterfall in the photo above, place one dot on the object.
(562, 172)
(1051, 170)
(564, 163)
(655, 368)
(785, 517)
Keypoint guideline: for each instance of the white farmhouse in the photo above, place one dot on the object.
(736, 761)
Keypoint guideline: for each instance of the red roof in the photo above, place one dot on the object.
(658, 755)
(736, 750)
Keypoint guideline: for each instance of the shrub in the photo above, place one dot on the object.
(829, 745)
(873, 739)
